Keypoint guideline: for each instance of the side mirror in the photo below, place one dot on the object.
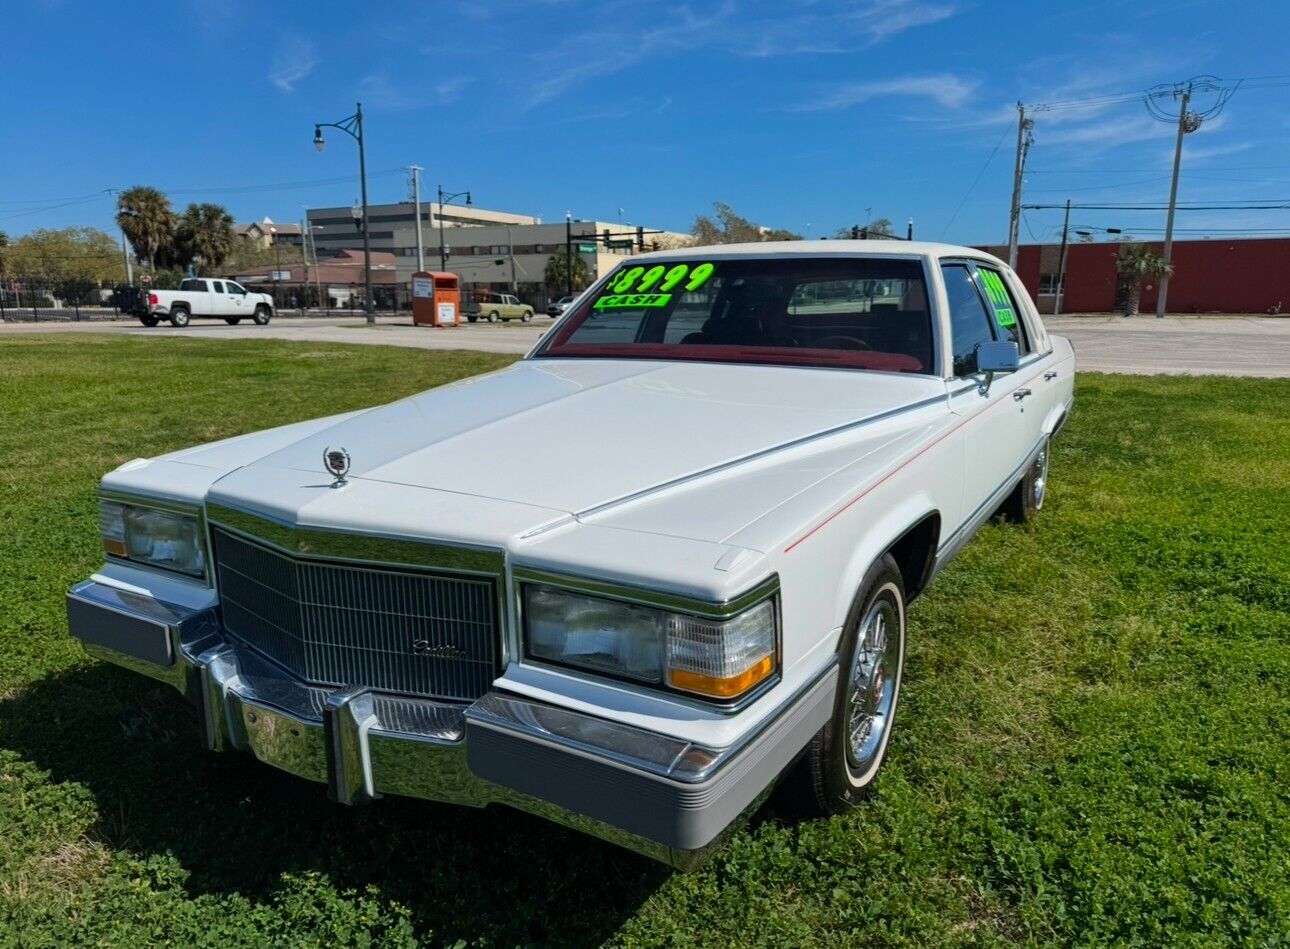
(995, 356)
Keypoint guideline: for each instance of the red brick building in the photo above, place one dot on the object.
(1219, 275)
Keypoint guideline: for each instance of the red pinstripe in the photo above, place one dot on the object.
(907, 461)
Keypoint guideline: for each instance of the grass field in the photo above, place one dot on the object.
(1094, 743)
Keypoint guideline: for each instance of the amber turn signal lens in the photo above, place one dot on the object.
(726, 688)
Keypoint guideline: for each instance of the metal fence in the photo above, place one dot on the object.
(27, 300)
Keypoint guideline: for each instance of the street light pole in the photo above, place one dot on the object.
(353, 127)
(443, 252)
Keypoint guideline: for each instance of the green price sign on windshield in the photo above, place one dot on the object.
(651, 287)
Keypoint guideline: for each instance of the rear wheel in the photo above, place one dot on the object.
(843, 759)
(179, 317)
(472, 318)
(232, 320)
(262, 315)
(1027, 499)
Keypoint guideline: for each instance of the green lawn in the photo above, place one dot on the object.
(1094, 742)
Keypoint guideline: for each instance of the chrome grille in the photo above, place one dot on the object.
(335, 623)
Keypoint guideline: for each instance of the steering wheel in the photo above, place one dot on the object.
(842, 342)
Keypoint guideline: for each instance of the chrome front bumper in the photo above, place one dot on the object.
(664, 797)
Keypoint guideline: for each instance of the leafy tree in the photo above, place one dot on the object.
(727, 227)
(80, 254)
(878, 227)
(204, 233)
(1139, 263)
(145, 217)
(556, 275)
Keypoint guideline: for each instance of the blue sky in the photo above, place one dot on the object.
(800, 114)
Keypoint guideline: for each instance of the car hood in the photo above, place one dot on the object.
(575, 435)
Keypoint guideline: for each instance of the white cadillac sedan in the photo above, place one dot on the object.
(676, 573)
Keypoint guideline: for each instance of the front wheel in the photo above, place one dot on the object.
(149, 321)
(232, 320)
(262, 315)
(843, 759)
(179, 318)
(471, 319)
(1027, 498)
(526, 316)
(494, 317)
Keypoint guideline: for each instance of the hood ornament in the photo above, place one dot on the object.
(336, 461)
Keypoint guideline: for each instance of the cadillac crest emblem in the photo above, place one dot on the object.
(336, 461)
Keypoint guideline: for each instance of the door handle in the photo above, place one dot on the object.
(1020, 394)
(1050, 375)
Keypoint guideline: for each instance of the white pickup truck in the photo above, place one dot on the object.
(204, 296)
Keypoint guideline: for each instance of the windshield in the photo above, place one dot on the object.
(844, 312)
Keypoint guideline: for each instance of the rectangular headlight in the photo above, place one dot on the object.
(716, 658)
(167, 539)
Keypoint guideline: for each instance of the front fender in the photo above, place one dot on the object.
(879, 537)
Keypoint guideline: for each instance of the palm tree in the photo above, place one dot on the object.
(1138, 263)
(205, 233)
(144, 216)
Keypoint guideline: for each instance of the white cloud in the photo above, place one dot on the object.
(295, 59)
(449, 89)
(1202, 153)
(616, 41)
(944, 89)
(378, 91)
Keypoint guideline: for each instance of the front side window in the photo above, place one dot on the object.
(970, 325)
(841, 312)
(234, 287)
(1007, 317)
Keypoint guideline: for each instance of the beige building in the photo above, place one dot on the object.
(266, 233)
(485, 248)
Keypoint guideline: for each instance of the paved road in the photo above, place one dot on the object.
(1205, 346)
(1225, 346)
(512, 337)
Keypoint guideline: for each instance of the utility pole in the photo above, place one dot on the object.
(568, 253)
(1163, 293)
(510, 252)
(416, 210)
(304, 255)
(1024, 141)
(129, 270)
(1061, 260)
(1188, 121)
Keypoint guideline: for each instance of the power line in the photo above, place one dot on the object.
(975, 180)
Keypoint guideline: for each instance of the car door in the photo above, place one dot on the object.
(995, 442)
(215, 304)
(234, 299)
(1035, 392)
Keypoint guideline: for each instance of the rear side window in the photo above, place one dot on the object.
(218, 285)
(1006, 314)
(970, 325)
(194, 285)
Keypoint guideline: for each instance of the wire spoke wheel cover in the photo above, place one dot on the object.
(873, 684)
(1039, 481)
